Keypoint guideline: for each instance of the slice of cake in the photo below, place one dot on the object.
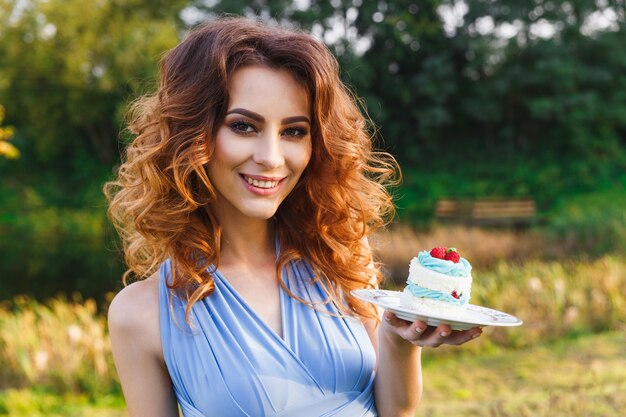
(439, 281)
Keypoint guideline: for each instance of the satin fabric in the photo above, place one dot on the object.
(230, 363)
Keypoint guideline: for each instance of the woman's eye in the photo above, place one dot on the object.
(295, 132)
(242, 127)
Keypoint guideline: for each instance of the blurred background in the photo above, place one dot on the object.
(508, 118)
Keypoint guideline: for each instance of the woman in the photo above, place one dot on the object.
(244, 204)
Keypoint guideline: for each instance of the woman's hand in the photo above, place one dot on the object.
(419, 333)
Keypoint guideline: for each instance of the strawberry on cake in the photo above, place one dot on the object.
(439, 281)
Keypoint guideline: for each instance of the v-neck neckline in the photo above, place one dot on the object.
(286, 340)
(281, 299)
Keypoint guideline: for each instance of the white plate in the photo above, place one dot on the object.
(473, 316)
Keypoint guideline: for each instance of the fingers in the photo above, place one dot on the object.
(436, 336)
(458, 338)
(420, 334)
(444, 335)
(405, 329)
(414, 332)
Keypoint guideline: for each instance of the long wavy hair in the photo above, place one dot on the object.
(158, 203)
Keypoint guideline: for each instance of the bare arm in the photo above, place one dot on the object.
(136, 344)
(398, 385)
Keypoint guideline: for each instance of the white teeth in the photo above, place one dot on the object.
(261, 184)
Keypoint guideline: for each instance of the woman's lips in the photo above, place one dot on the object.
(262, 185)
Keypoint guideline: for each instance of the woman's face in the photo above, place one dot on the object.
(263, 145)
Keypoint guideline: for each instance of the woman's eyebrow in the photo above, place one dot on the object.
(254, 116)
(295, 119)
(257, 117)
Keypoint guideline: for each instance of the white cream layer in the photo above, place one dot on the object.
(408, 300)
(436, 281)
(429, 279)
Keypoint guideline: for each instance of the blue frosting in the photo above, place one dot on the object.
(418, 291)
(460, 269)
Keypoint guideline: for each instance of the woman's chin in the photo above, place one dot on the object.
(260, 213)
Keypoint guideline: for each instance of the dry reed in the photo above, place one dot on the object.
(63, 344)
(483, 247)
(60, 344)
(554, 297)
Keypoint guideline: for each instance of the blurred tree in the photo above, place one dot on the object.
(411, 76)
(68, 68)
(475, 97)
(6, 134)
(395, 54)
(544, 81)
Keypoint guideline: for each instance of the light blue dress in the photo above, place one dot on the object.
(231, 363)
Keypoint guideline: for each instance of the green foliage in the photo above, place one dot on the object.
(467, 112)
(67, 72)
(592, 223)
(545, 179)
(6, 133)
(46, 249)
(68, 69)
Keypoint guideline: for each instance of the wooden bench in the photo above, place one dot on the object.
(492, 212)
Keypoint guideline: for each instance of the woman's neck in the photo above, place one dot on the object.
(250, 242)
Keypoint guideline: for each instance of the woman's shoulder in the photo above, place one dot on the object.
(135, 301)
(134, 312)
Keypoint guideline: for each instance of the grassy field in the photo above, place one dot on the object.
(584, 376)
(568, 359)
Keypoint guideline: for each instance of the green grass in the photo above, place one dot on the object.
(584, 376)
(41, 403)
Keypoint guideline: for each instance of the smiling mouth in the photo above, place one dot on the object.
(261, 183)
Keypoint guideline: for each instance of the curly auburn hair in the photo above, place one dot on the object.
(159, 200)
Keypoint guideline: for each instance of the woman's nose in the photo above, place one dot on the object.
(269, 152)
